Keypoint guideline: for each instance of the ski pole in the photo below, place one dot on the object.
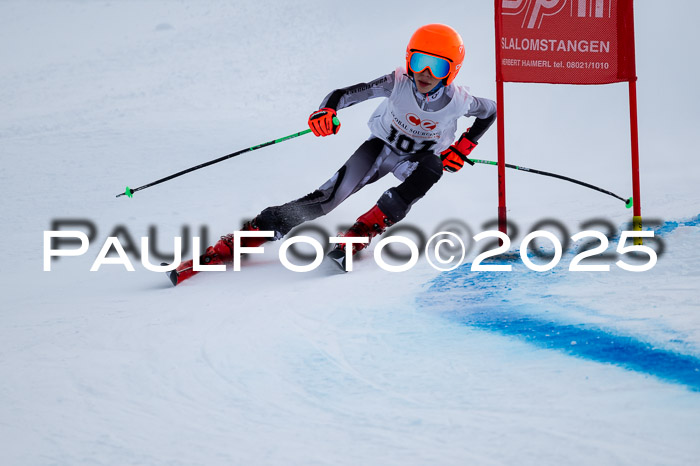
(628, 202)
(130, 192)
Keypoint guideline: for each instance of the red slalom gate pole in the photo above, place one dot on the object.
(636, 189)
(500, 125)
(502, 217)
(634, 130)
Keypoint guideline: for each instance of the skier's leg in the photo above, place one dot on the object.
(219, 253)
(395, 203)
(354, 174)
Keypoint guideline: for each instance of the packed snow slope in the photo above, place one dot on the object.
(269, 366)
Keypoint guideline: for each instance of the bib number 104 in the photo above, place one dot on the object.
(575, 265)
(407, 144)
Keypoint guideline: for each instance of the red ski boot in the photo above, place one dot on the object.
(220, 253)
(374, 222)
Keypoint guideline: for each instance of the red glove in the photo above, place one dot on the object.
(453, 157)
(323, 122)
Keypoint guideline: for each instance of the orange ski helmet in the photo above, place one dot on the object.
(440, 41)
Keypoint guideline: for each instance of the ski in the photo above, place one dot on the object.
(172, 275)
(338, 257)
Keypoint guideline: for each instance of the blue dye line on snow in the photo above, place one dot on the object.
(480, 301)
(596, 345)
(670, 226)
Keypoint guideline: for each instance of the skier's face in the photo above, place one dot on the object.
(425, 82)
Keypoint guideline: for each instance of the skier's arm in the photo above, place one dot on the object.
(485, 112)
(351, 95)
(453, 157)
(324, 122)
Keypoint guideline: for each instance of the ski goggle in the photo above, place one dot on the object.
(438, 67)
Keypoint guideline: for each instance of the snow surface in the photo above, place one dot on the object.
(268, 366)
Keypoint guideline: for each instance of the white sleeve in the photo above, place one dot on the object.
(347, 96)
(481, 108)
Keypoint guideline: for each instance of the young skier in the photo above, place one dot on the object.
(412, 132)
